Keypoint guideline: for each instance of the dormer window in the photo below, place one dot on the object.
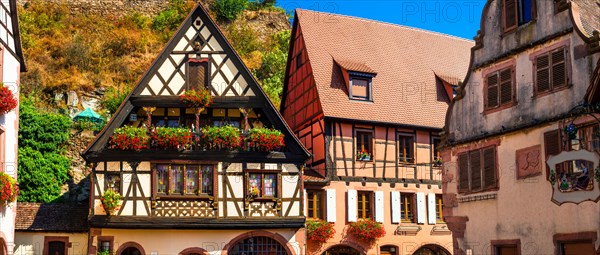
(360, 86)
(516, 13)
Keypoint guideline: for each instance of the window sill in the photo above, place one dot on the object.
(464, 198)
(500, 108)
(183, 197)
(518, 27)
(550, 92)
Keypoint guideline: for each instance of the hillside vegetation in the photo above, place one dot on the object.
(84, 52)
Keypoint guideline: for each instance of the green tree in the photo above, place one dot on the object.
(229, 10)
(42, 169)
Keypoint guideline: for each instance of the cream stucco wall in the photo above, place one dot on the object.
(523, 208)
(172, 242)
(32, 243)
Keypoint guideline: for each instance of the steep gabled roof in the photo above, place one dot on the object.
(587, 13)
(405, 60)
(230, 80)
(52, 217)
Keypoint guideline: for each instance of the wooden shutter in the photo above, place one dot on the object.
(395, 196)
(306, 203)
(379, 206)
(475, 169)
(331, 205)
(492, 90)
(552, 146)
(431, 209)
(352, 205)
(421, 208)
(511, 16)
(542, 73)
(489, 167)
(559, 70)
(463, 172)
(197, 75)
(506, 86)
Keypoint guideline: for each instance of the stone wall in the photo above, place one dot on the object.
(112, 7)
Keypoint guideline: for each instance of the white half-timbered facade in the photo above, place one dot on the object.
(197, 200)
(12, 64)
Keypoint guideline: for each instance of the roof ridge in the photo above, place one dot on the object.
(387, 23)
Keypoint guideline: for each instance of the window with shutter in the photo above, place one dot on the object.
(475, 169)
(506, 86)
(463, 172)
(492, 90)
(489, 167)
(516, 13)
(197, 74)
(510, 14)
(551, 71)
(499, 88)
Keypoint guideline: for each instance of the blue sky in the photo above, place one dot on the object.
(455, 17)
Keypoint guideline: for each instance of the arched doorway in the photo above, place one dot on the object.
(258, 245)
(193, 251)
(341, 250)
(431, 249)
(3, 248)
(131, 248)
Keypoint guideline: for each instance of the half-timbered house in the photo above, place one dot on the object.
(12, 64)
(197, 198)
(522, 136)
(368, 99)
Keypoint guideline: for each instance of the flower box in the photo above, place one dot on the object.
(319, 230)
(129, 138)
(8, 102)
(366, 230)
(111, 201)
(221, 138)
(265, 139)
(9, 190)
(172, 138)
(197, 98)
(363, 155)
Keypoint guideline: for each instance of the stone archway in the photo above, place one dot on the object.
(3, 247)
(272, 243)
(341, 250)
(431, 249)
(131, 248)
(193, 251)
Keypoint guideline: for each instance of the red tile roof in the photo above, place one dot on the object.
(405, 60)
(52, 217)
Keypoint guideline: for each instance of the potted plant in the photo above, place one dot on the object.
(363, 155)
(111, 201)
(172, 138)
(7, 100)
(103, 252)
(366, 230)
(265, 139)
(438, 161)
(129, 138)
(199, 99)
(318, 230)
(9, 190)
(221, 138)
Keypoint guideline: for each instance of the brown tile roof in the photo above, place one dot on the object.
(405, 60)
(589, 15)
(52, 217)
(312, 176)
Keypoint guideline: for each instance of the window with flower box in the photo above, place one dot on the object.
(364, 204)
(262, 184)
(364, 145)
(184, 179)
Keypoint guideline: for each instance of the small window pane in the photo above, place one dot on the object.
(191, 179)
(360, 88)
(113, 181)
(162, 178)
(363, 141)
(270, 185)
(506, 250)
(207, 180)
(176, 184)
(254, 186)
